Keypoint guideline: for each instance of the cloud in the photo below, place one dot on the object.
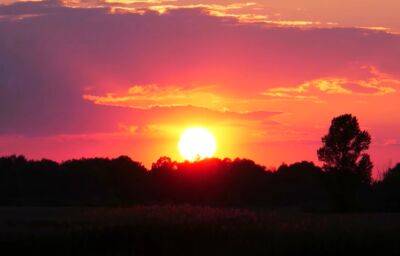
(391, 142)
(146, 97)
(215, 9)
(139, 1)
(244, 12)
(378, 84)
(42, 8)
(373, 15)
(171, 104)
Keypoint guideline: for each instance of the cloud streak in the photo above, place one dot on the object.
(379, 84)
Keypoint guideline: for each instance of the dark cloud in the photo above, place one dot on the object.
(43, 7)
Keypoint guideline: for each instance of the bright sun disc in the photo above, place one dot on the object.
(196, 144)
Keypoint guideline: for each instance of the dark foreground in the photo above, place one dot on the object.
(187, 230)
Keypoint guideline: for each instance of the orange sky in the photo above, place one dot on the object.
(266, 77)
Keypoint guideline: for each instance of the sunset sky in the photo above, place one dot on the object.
(126, 77)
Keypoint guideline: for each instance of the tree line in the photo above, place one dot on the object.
(343, 183)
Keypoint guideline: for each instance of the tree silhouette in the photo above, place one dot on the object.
(345, 158)
(163, 164)
(344, 148)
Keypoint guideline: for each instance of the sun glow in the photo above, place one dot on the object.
(197, 143)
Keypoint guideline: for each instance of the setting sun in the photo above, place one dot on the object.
(197, 143)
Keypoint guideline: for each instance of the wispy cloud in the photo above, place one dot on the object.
(371, 16)
(149, 96)
(378, 85)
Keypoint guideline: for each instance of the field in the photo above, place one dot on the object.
(189, 230)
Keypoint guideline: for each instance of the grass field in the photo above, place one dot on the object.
(188, 230)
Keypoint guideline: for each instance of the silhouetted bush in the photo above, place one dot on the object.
(388, 190)
(301, 184)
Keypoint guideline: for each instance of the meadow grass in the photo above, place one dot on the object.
(191, 230)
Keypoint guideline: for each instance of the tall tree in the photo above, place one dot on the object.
(346, 162)
(344, 149)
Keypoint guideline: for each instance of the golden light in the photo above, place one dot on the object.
(197, 143)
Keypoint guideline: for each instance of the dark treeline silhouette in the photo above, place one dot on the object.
(343, 183)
